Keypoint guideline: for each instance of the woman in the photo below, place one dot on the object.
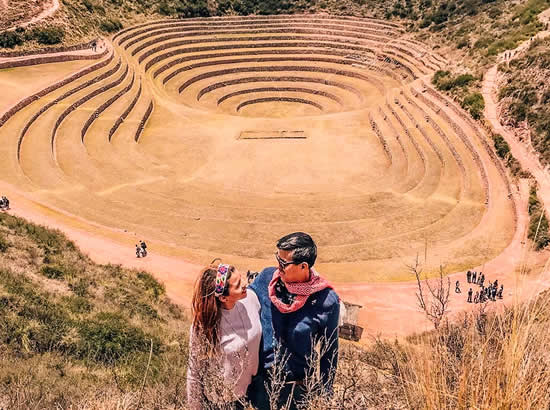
(224, 340)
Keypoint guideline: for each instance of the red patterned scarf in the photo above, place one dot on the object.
(300, 290)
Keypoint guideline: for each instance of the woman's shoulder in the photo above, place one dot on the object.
(251, 301)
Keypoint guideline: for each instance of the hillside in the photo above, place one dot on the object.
(525, 96)
(74, 334)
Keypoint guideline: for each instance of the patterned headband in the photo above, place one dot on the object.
(221, 279)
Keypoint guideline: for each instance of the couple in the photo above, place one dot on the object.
(260, 345)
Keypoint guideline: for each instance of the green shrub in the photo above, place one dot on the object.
(534, 202)
(49, 35)
(151, 285)
(538, 229)
(109, 336)
(10, 39)
(474, 103)
(501, 146)
(78, 304)
(88, 4)
(111, 25)
(80, 287)
(463, 43)
(53, 271)
(4, 243)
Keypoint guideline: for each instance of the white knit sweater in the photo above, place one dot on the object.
(240, 335)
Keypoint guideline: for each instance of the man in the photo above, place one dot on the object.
(470, 292)
(299, 310)
(143, 246)
(469, 276)
(474, 277)
(457, 287)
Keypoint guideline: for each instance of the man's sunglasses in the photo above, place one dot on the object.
(282, 263)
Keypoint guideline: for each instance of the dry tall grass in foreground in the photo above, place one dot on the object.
(74, 334)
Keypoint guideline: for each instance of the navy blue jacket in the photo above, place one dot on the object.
(294, 332)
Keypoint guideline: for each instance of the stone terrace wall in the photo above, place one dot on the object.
(23, 103)
(51, 59)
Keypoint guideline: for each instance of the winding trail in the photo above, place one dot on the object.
(526, 157)
(54, 6)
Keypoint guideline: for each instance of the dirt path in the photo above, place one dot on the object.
(527, 158)
(85, 52)
(389, 309)
(54, 6)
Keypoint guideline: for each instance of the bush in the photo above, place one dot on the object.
(534, 202)
(109, 336)
(474, 103)
(463, 43)
(111, 25)
(88, 4)
(4, 244)
(538, 229)
(501, 146)
(49, 35)
(10, 39)
(151, 285)
(52, 272)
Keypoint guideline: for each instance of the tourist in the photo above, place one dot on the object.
(469, 276)
(299, 309)
(138, 251)
(494, 293)
(481, 278)
(143, 246)
(474, 277)
(224, 339)
(457, 287)
(500, 291)
(476, 297)
(4, 203)
(470, 292)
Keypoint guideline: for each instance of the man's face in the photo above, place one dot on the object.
(289, 271)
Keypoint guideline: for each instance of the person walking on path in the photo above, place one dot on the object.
(457, 287)
(143, 246)
(138, 251)
(300, 310)
(476, 297)
(470, 292)
(474, 277)
(469, 276)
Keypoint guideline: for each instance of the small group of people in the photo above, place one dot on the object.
(490, 292)
(4, 203)
(141, 249)
(258, 343)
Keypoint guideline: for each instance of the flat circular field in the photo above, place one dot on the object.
(214, 137)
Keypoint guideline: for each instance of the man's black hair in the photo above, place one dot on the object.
(302, 245)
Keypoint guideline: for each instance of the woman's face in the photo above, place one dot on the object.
(236, 287)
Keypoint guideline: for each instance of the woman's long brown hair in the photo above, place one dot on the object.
(206, 306)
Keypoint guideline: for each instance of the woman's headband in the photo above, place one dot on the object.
(221, 279)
